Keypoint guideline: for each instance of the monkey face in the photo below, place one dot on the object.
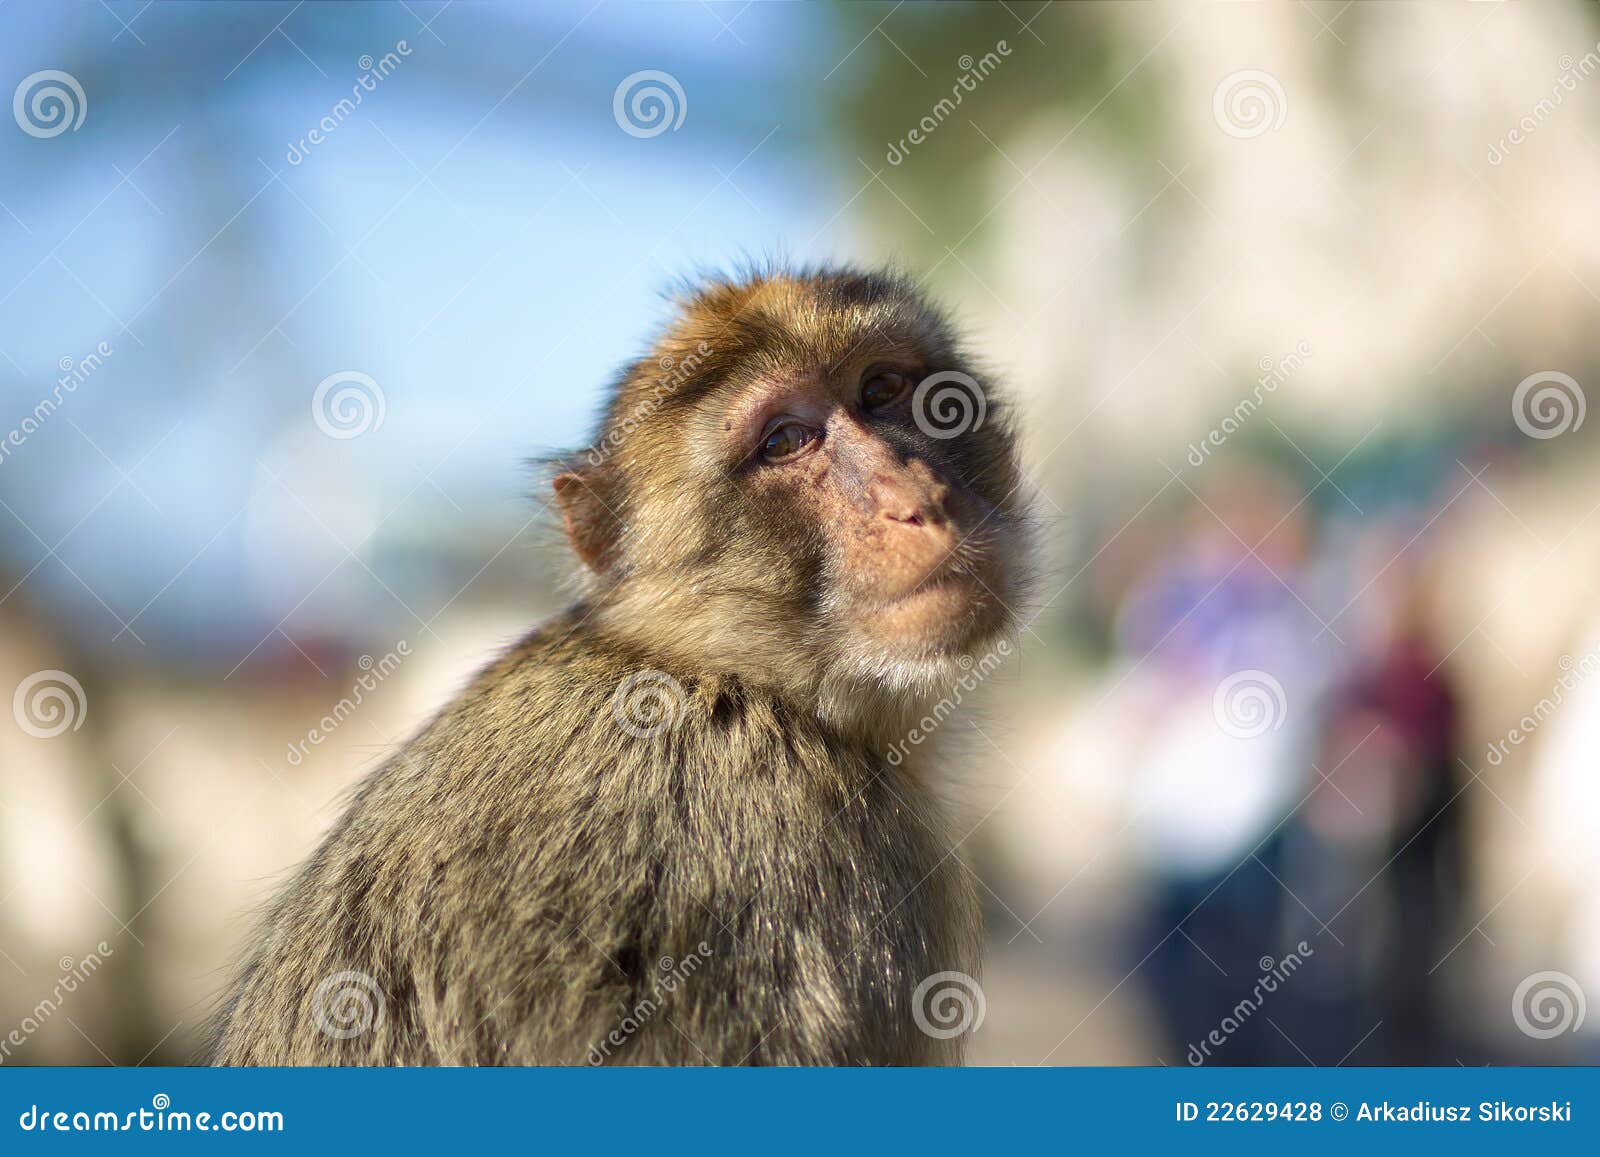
(880, 521)
(827, 490)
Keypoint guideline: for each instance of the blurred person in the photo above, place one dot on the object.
(1376, 853)
(1225, 660)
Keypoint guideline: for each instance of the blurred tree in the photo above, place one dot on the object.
(1061, 63)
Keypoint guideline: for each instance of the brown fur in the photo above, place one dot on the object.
(744, 879)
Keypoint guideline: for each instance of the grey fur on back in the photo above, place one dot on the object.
(529, 883)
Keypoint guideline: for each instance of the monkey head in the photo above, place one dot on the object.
(805, 485)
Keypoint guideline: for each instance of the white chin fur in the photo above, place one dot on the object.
(873, 693)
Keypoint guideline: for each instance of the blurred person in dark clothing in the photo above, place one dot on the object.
(1377, 852)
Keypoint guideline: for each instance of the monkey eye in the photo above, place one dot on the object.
(883, 388)
(786, 441)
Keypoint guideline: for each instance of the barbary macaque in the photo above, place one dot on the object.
(662, 828)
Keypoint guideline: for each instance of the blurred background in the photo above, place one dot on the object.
(1295, 763)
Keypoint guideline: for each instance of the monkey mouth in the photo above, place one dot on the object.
(951, 608)
(956, 567)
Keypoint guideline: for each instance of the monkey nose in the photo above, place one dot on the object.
(917, 533)
(910, 502)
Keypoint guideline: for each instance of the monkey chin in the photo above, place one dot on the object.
(912, 646)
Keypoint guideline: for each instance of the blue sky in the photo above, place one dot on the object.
(480, 237)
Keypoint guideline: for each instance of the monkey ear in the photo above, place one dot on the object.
(592, 527)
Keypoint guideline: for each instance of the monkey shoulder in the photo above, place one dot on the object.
(525, 865)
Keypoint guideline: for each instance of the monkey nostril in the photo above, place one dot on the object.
(910, 503)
